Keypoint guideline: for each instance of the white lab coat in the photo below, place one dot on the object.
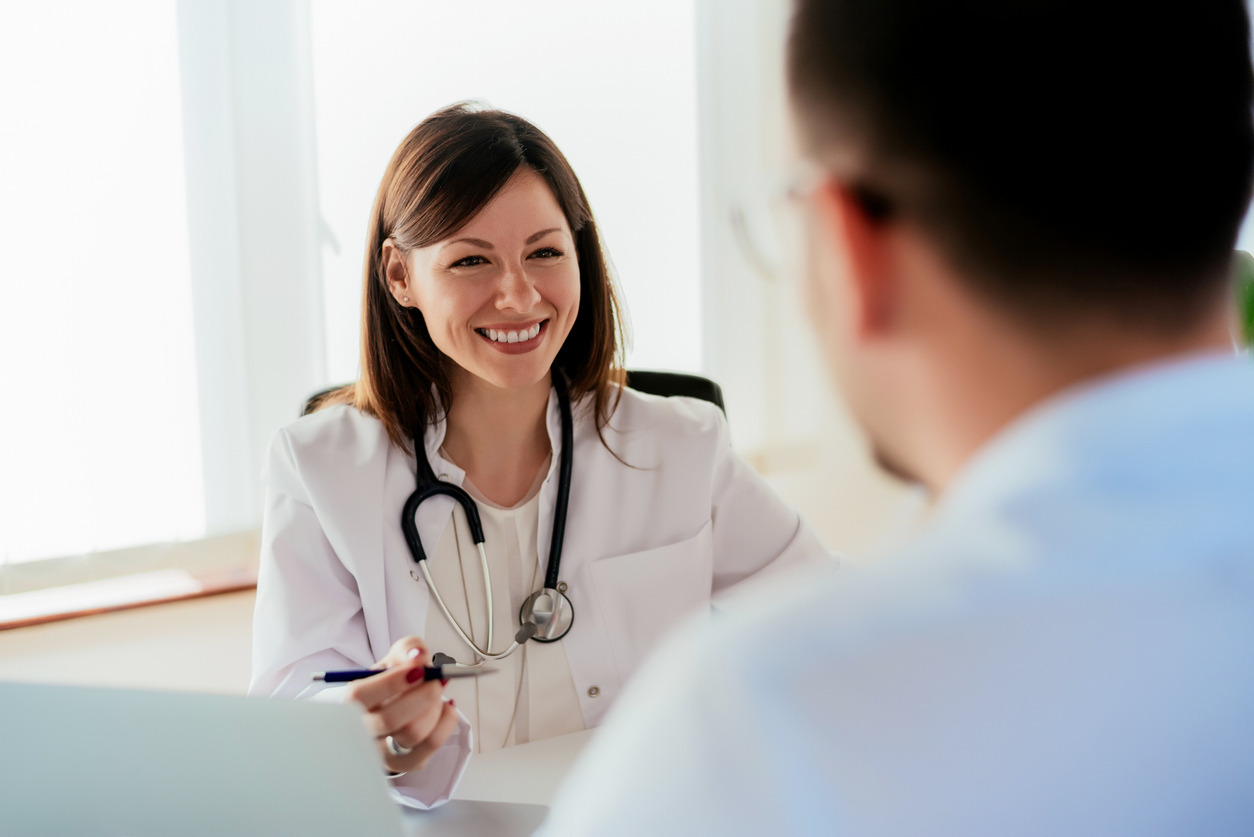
(647, 544)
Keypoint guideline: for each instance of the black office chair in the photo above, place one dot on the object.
(665, 384)
(676, 383)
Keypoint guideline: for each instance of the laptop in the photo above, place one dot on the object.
(121, 763)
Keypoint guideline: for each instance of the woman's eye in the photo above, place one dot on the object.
(470, 261)
(546, 253)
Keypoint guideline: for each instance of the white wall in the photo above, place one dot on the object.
(252, 197)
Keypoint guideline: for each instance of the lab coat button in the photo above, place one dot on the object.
(561, 587)
(593, 691)
(443, 477)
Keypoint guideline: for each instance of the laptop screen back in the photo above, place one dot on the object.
(133, 764)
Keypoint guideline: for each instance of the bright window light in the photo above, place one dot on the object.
(614, 85)
(99, 437)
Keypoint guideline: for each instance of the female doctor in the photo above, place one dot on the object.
(490, 349)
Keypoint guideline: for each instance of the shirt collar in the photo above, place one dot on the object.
(1137, 418)
(449, 472)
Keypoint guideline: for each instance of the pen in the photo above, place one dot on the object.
(428, 673)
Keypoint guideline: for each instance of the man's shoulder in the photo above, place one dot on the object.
(937, 579)
(1044, 557)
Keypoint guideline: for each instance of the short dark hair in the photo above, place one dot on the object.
(1065, 155)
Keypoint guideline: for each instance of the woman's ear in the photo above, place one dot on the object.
(396, 271)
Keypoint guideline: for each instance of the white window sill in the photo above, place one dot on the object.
(65, 588)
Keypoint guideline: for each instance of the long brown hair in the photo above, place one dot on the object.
(448, 168)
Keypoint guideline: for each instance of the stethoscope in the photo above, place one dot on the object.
(546, 615)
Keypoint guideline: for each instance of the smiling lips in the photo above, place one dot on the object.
(503, 336)
(513, 341)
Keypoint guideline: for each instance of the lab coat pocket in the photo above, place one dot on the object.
(643, 595)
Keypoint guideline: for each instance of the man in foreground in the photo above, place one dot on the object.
(1021, 225)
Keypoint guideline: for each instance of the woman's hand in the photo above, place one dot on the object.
(398, 703)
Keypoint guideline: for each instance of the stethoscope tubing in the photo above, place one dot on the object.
(485, 654)
(429, 486)
(564, 467)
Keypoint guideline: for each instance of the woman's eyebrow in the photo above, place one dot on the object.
(534, 237)
(478, 242)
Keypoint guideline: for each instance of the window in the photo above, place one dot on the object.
(99, 435)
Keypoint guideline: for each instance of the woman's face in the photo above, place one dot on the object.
(500, 295)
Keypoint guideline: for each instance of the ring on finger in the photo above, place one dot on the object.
(395, 748)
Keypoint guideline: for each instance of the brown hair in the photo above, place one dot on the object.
(448, 168)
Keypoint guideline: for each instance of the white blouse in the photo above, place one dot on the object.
(531, 695)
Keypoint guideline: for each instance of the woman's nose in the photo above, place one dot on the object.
(517, 290)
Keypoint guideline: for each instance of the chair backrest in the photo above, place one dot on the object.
(676, 383)
(314, 401)
(665, 384)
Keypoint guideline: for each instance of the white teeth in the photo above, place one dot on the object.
(512, 336)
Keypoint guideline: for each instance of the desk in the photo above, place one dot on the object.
(529, 773)
(519, 784)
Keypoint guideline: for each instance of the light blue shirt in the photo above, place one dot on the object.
(1067, 649)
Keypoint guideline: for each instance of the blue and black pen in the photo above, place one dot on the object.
(428, 673)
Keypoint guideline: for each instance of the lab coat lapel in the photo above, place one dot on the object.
(352, 498)
(588, 647)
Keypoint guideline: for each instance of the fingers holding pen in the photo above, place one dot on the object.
(401, 703)
(415, 711)
(373, 692)
(425, 747)
(410, 649)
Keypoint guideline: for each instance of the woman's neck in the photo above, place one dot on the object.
(499, 437)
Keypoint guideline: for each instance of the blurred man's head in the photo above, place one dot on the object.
(1018, 195)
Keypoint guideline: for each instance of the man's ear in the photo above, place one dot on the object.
(396, 270)
(866, 244)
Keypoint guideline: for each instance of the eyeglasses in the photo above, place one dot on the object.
(771, 226)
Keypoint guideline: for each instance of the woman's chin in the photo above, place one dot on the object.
(514, 372)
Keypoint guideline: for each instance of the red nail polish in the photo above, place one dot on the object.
(453, 703)
(444, 681)
(415, 674)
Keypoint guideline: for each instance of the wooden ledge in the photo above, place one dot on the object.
(52, 604)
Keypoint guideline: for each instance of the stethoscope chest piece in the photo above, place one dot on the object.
(550, 611)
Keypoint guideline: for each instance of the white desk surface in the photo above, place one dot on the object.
(504, 793)
(529, 773)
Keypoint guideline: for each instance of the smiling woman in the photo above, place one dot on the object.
(479, 438)
(523, 225)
